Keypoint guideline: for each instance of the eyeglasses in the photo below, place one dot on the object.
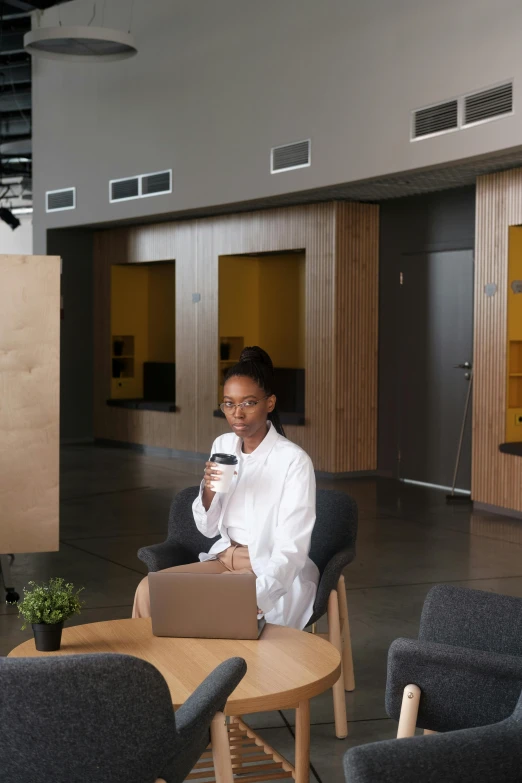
(249, 405)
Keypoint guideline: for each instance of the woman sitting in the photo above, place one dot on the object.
(266, 519)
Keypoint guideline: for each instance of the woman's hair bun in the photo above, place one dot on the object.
(256, 355)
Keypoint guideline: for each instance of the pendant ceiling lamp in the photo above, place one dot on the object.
(81, 44)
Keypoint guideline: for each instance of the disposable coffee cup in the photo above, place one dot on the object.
(227, 464)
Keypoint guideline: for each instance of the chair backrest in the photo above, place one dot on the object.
(182, 528)
(472, 618)
(335, 526)
(84, 718)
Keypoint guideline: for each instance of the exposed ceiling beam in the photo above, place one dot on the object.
(11, 101)
(21, 5)
(16, 73)
(12, 43)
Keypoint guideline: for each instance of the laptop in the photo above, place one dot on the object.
(204, 606)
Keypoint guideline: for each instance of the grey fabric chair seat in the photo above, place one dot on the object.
(332, 549)
(487, 754)
(467, 660)
(102, 719)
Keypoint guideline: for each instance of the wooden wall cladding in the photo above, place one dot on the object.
(496, 477)
(341, 246)
(29, 403)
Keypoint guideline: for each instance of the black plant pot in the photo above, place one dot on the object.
(47, 638)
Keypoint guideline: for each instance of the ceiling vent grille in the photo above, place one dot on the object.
(58, 200)
(154, 184)
(125, 189)
(441, 118)
(141, 186)
(291, 156)
(488, 104)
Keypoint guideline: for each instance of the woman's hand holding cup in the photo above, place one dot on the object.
(212, 473)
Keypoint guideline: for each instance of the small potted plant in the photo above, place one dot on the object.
(46, 607)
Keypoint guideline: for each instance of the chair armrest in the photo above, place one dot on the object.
(193, 719)
(164, 555)
(328, 581)
(211, 696)
(478, 755)
(460, 688)
(472, 618)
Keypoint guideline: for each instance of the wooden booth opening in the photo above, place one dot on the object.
(143, 336)
(262, 302)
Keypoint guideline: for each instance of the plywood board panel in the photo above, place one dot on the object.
(29, 403)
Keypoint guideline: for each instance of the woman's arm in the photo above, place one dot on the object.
(207, 506)
(295, 524)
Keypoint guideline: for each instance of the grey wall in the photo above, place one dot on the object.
(76, 340)
(438, 221)
(217, 83)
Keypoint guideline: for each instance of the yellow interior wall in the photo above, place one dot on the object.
(129, 316)
(162, 313)
(281, 322)
(514, 334)
(302, 312)
(263, 300)
(239, 298)
(143, 306)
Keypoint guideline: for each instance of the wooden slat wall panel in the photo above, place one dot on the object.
(496, 477)
(356, 336)
(196, 247)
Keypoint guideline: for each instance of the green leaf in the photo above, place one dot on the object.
(50, 602)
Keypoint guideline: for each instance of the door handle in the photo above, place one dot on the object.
(464, 366)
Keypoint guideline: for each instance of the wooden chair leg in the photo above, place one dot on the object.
(409, 711)
(334, 635)
(349, 677)
(221, 749)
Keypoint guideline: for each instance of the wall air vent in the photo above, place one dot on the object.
(441, 118)
(141, 186)
(488, 104)
(291, 156)
(154, 184)
(124, 189)
(58, 200)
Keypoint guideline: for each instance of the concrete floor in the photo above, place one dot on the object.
(115, 501)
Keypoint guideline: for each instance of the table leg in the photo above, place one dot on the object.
(221, 749)
(302, 742)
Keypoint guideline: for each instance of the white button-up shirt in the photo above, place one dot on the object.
(279, 484)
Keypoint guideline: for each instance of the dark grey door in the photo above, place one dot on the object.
(436, 333)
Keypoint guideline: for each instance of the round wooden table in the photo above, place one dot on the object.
(285, 669)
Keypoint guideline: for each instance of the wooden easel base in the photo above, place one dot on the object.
(252, 759)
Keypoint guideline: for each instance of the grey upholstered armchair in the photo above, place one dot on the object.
(332, 549)
(487, 754)
(464, 670)
(103, 719)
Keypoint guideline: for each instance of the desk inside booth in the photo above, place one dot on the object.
(159, 389)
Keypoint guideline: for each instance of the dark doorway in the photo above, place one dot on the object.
(435, 330)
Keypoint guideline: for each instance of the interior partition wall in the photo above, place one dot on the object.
(340, 246)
